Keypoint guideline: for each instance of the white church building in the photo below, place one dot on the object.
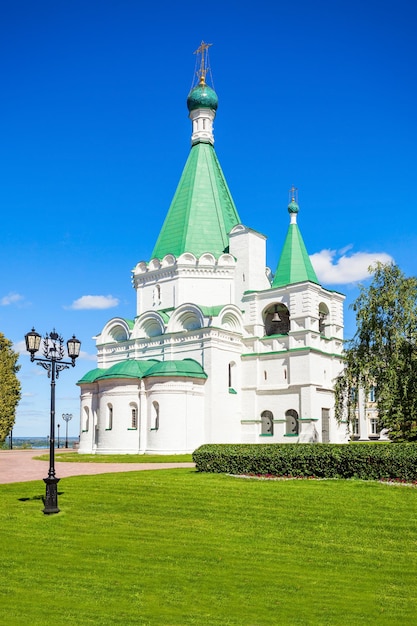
(219, 350)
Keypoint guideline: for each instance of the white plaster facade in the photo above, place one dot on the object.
(260, 386)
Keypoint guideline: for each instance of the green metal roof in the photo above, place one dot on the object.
(91, 376)
(142, 369)
(211, 311)
(202, 211)
(294, 265)
(128, 369)
(186, 367)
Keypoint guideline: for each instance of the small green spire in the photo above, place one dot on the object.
(294, 265)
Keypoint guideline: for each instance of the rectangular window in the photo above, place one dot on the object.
(325, 425)
(134, 418)
(356, 426)
(374, 426)
(371, 395)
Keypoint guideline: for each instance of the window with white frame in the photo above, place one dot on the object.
(134, 417)
(232, 375)
(267, 423)
(109, 417)
(323, 319)
(155, 416)
(86, 419)
(291, 422)
(157, 295)
(374, 426)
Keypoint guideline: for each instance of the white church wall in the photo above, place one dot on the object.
(115, 433)
(249, 249)
(222, 364)
(175, 415)
(205, 281)
(88, 417)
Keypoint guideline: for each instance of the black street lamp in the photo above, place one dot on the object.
(53, 353)
(66, 417)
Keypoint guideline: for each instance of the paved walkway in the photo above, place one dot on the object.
(19, 466)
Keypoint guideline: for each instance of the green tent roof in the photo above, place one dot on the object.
(294, 265)
(202, 211)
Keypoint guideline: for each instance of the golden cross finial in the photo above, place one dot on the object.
(293, 192)
(203, 50)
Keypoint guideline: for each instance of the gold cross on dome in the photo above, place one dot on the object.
(293, 192)
(203, 50)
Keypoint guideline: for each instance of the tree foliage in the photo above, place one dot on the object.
(383, 353)
(9, 386)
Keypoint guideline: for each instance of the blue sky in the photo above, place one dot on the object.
(95, 133)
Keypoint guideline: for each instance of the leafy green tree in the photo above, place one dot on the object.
(9, 386)
(383, 353)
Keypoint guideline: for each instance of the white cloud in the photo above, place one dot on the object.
(11, 298)
(94, 302)
(337, 268)
(20, 347)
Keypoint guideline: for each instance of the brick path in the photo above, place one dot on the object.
(19, 466)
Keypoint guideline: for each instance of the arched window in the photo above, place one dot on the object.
(155, 416)
(109, 417)
(267, 423)
(86, 419)
(291, 422)
(231, 375)
(277, 320)
(133, 416)
(323, 319)
(371, 394)
(157, 295)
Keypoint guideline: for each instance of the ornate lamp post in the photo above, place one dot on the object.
(66, 417)
(53, 353)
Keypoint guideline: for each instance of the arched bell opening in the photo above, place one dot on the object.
(277, 320)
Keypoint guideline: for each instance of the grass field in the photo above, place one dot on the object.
(178, 548)
(74, 457)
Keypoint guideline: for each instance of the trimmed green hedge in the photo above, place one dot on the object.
(322, 460)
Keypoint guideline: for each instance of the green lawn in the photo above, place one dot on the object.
(175, 548)
(74, 457)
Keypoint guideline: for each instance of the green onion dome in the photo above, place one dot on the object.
(202, 97)
(293, 207)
